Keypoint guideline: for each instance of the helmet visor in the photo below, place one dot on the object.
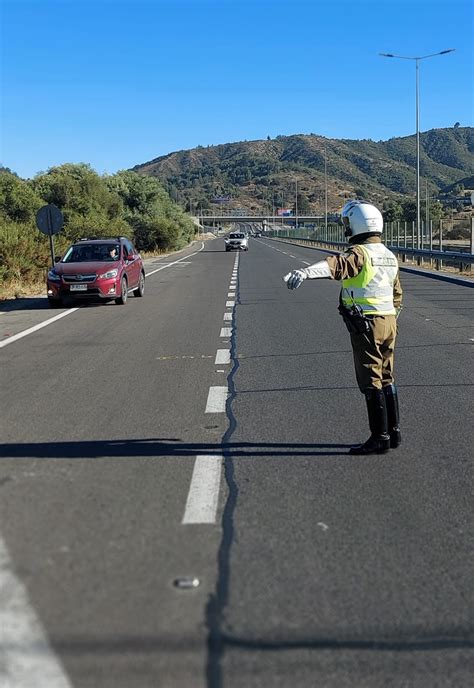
(347, 226)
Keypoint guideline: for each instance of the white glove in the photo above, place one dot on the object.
(294, 279)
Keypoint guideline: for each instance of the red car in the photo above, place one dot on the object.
(97, 269)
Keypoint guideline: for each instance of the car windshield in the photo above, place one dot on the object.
(91, 253)
(237, 236)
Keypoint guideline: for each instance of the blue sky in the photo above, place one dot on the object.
(115, 83)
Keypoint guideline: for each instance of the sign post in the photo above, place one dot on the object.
(50, 221)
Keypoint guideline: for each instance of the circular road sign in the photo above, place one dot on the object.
(49, 220)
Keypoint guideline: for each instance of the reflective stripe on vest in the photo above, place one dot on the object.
(372, 288)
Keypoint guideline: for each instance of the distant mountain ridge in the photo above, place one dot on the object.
(257, 174)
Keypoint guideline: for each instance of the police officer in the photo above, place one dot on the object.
(370, 302)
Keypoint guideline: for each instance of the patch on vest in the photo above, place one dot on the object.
(385, 261)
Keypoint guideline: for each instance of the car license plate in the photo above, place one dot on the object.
(78, 287)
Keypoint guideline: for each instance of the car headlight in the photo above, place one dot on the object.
(53, 276)
(109, 274)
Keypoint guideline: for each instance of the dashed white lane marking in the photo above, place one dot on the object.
(222, 357)
(26, 657)
(291, 256)
(231, 294)
(216, 399)
(203, 495)
(35, 328)
(226, 332)
(229, 304)
(228, 316)
(306, 262)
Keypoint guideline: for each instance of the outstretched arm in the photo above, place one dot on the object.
(342, 266)
(295, 278)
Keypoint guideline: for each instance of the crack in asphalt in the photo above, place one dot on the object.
(216, 640)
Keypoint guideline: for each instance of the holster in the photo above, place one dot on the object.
(354, 318)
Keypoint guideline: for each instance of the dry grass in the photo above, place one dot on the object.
(16, 289)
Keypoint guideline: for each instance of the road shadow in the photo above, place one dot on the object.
(31, 303)
(159, 447)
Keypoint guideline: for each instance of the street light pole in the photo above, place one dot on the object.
(296, 204)
(417, 60)
(325, 192)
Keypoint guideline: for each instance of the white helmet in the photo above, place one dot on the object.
(360, 217)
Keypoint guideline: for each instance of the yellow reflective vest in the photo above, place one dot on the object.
(372, 288)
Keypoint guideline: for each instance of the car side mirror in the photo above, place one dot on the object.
(57, 259)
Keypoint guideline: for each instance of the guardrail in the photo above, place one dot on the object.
(463, 261)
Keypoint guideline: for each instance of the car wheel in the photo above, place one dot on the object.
(140, 290)
(55, 303)
(122, 299)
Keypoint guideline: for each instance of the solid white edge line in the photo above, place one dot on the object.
(35, 328)
(222, 357)
(27, 657)
(216, 400)
(203, 495)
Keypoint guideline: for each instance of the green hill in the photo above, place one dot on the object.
(258, 174)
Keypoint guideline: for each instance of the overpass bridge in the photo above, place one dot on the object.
(219, 218)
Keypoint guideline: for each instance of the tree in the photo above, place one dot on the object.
(18, 202)
(88, 205)
(392, 211)
(304, 207)
(409, 211)
(436, 211)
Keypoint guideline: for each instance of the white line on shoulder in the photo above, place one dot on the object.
(35, 328)
(27, 657)
(168, 265)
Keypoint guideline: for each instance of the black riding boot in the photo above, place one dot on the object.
(393, 415)
(379, 440)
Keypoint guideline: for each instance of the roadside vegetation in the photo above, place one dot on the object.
(125, 204)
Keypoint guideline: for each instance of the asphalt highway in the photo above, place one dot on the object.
(177, 505)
